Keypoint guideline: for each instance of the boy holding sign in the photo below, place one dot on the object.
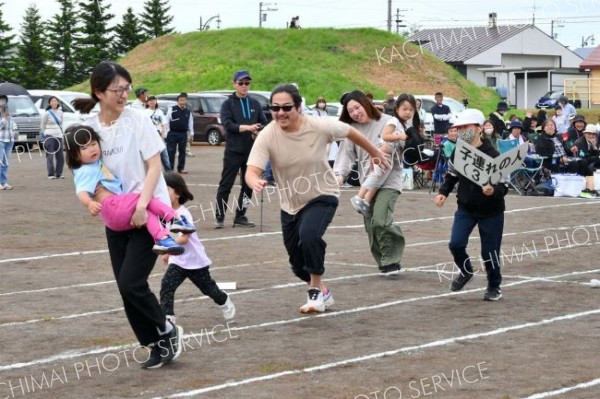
(477, 205)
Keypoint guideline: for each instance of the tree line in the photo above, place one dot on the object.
(63, 50)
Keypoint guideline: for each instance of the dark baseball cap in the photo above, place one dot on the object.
(140, 91)
(241, 74)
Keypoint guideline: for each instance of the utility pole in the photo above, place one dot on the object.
(558, 25)
(389, 16)
(262, 12)
(398, 21)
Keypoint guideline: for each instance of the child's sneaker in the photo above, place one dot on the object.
(314, 302)
(181, 225)
(167, 246)
(361, 206)
(228, 309)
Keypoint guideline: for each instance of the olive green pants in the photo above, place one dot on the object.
(385, 238)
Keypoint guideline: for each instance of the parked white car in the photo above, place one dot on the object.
(70, 115)
(334, 110)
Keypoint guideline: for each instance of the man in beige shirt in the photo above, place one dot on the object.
(308, 190)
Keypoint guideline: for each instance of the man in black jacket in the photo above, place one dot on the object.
(242, 117)
(181, 129)
(481, 206)
(497, 118)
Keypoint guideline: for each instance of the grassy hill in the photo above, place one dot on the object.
(325, 62)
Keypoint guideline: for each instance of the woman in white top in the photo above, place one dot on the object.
(321, 110)
(131, 151)
(160, 122)
(422, 113)
(51, 127)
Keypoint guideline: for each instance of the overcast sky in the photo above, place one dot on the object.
(574, 19)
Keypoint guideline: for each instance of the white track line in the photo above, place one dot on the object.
(255, 235)
(198, 298)
(425, 243)
(379, 355)
(75, 354)
(564, 390)
(112, 281)
(559, 228)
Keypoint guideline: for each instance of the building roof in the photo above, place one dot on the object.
(457, 45)
(592, 60)
(583, 52)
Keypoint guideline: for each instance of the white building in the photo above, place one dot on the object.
(520, 62)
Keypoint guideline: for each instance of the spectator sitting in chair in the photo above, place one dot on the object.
(557, 155)
(575, 131)
(586, 147)
(530, 126)
(516, 132)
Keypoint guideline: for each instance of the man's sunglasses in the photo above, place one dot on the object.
(285, 108)
(243, 83)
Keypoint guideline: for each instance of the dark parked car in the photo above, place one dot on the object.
(550, 99)
(262, 97)
(206, 109)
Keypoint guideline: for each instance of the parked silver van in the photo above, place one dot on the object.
(27, 118)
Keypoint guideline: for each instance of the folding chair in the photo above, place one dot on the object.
(445, 150)
(523, 178)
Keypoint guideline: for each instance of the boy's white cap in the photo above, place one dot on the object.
(590, 128)
(470, 116)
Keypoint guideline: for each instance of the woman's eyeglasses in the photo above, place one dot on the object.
(285, 108)
(120, 90)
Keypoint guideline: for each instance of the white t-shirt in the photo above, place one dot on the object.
(398, 128)
(157, 116)
(126, 144)
(194, 256)
(137, 104)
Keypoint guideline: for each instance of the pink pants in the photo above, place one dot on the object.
(117, 211)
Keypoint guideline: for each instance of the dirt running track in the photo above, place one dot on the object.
(64, 333)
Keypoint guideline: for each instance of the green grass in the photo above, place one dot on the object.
(324, 62)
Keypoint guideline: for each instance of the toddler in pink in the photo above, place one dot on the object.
(100, 191)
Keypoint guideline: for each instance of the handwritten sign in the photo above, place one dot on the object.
(482, 169)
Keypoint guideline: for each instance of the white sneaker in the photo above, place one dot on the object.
(228, 309)
(314, 302)
(328, 300)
